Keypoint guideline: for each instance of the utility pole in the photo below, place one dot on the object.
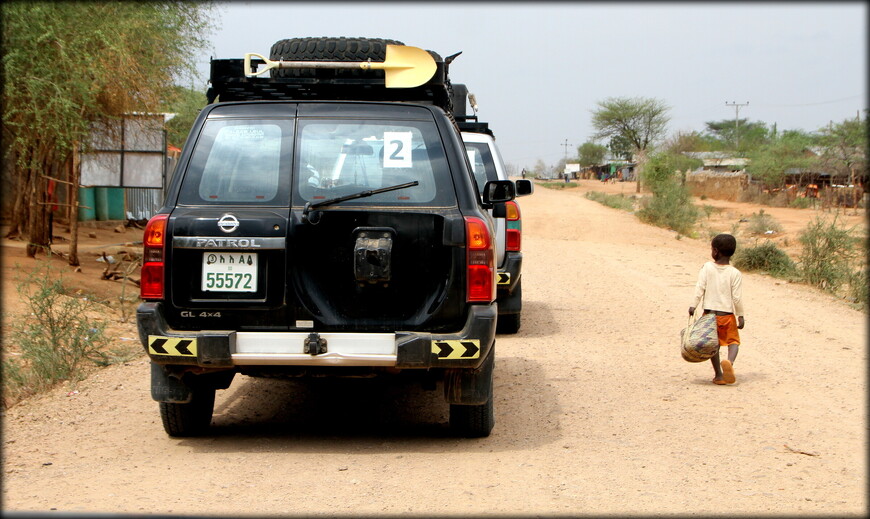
(736, 120)
(566, 159)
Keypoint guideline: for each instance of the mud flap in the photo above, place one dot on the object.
(470, 386)
(511, 303)
(177, 389)
(166, 388)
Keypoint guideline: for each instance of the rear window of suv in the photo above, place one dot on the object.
(240, 161)
(249, 161)
(342, 157)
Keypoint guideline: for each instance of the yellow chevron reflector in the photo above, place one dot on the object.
(173, 346)
(451, 349)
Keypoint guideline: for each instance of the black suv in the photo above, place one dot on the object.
(321, 224)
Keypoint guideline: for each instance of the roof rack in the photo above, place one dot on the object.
(467, 122)
(229, 82)
(475, 127)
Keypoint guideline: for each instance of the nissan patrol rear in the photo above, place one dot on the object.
(320, 223)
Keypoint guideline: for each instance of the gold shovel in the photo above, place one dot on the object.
(403, 66)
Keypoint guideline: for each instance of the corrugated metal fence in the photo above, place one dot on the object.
(143, 203)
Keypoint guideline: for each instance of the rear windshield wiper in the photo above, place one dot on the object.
(362, 194)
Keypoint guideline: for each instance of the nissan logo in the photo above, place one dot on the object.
(228, 223)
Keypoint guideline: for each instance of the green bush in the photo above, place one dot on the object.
(671, 204)
(615, 201)
(760, 223)
(859, 288)
(671, 208)
(804, 203)
(558, 185)
(56, 341)
(735, 229)
(767, 258)
(830, 254)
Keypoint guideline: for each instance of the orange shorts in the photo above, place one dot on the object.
(726, 325)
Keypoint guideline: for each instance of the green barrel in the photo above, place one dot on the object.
(87, 199)
(101, 198)
(115, 196)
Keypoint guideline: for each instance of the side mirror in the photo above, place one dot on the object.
(499, 191)
(524, 187)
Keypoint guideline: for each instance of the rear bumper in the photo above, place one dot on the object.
(403, 349)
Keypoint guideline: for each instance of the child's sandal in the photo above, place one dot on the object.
(728, 372)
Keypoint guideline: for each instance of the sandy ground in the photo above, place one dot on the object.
(596, 412)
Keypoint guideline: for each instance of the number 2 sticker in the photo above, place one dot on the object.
(397, 149)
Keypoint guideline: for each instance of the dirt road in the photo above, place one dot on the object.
(596, 412)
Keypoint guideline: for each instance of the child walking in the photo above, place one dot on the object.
(719, 291)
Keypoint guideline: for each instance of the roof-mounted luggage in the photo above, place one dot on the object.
(334, 69)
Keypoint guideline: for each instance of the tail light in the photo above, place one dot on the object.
(514, 227)
(153, 254)
(480, 261)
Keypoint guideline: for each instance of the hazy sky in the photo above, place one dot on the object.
(538, 69)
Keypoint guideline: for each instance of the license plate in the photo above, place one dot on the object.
(229, 272)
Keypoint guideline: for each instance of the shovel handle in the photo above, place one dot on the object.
(270, 64)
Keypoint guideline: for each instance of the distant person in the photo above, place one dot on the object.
(720, 291)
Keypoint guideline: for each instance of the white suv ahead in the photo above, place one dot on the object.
(487, 165)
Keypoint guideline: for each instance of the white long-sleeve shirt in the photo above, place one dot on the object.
(720, 287)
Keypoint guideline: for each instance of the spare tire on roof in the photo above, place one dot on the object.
(329, 49)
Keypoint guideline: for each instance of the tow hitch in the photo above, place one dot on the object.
(315, 344)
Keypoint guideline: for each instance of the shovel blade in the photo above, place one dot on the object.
(406, 67)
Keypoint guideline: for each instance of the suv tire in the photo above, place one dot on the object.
(328, 49)
(472, 421)
(189, 419)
